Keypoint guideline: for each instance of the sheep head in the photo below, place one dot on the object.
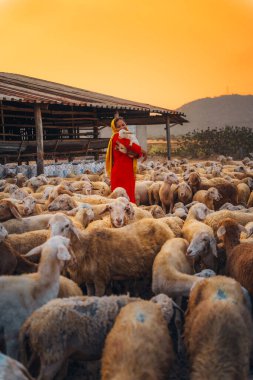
(199, 211)
(231, 229)
(62, 225)
(62, 202)
(213, 193)
(201, 245)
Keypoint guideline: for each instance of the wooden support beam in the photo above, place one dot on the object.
(168, 137)
(39, 139)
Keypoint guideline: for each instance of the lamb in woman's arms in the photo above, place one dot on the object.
(124, 134)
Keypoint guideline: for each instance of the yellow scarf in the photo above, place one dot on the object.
(109, 156)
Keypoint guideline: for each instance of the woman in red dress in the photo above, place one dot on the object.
(121, 159)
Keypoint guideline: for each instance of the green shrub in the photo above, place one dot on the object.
(229, 141)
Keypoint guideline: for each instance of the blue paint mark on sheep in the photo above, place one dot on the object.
(221, 295)
(140, 317)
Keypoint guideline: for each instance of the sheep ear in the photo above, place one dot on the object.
(213, 247)
(15, 211)
(243, 229)
(76, 232)
(107, 208)
(63, 253)
(72, 212)
(221, 231)
(34, 251)
(201, 214)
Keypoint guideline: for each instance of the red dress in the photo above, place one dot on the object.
(122, 174)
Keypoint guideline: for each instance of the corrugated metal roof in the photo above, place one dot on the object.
(20, 88)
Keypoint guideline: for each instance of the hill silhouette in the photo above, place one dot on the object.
(232, 110)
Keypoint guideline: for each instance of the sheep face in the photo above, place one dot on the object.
(19, 194)
(29, 205)
(118, 213)
(61, 225)
(200, 211)
(201, 245)
(13, 188)
(3, 233)
(184, 190)
(171, 178)
(119, 192)
(62, 202)
(213, 193)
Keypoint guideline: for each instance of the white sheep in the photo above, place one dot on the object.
(11, 369)
(21, 295)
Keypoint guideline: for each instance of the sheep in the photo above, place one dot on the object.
(243, 193)
(21, 295)
(29, 205)
(62, 202)
(200, 236)
(31, 223)
(139, 345)
(141, 192)
(35, 182)
(155, 210)
(82, 214)
(175, 223)
(250, 200)
(124, 134)
(239, 263)
(8, 210)
(207, 197)
(229, 206)
(172, 272)
(165, 192)
(218, 330)
(182, 192)
(118, 192)
(153, 193)
(10, 259)
(215, 218)
(101, 188)
(11, 369)
(64, 327)
(227, 190)
(104, 254)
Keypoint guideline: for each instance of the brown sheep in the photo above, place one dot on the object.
(105, 254)
(139, 345)
(239, 264)
(218, 330)
(243, 193)
(207, 197)
(165, 193)
(227, 190)
(215, 218)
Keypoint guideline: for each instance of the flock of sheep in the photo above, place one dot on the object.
(87, 275)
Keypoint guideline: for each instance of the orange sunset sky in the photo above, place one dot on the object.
(165, 53)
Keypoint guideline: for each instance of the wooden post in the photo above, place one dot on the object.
(3, 128)
(168, 137)
(39, 139)
(95, 136)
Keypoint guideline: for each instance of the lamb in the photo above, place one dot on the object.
(125, 134)
(239, 264)
(165, 192)
(139, 345)
(218, 330)
(141, 192)
(21, 295)
(182, 193)
(84, 322)
(155, 210)
(105, 254)
(207, 197)
(172, 271)
(11, 369)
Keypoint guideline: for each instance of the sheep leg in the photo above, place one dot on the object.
(49, 371)
(90, 289)
(178, 323)
(164, 207)
(99, 288)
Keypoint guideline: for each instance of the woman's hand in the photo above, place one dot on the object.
(145, 155)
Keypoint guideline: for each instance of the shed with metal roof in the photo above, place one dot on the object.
(46, 120)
